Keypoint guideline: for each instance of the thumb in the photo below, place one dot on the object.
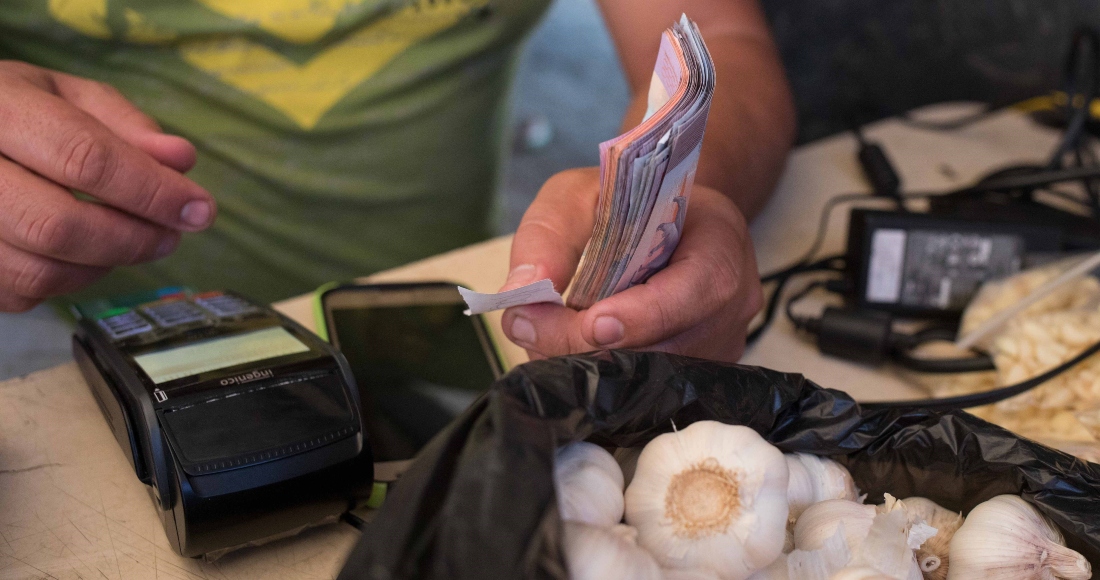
(110, 107)
(554, 230)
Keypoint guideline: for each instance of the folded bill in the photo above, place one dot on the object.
(533, 293)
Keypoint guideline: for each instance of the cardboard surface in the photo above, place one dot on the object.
(70, 506)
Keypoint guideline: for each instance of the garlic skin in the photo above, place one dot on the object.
(710, 496)
(815, 479)
(588, 484)
(934, 555)
(599, 553)
(688, 574)
(821, 520)
(889, 544)
(819, 564)
(861, 573)
(777, 570)
(1006, 537)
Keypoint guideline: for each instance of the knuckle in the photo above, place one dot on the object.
(726, 283)
(18, 69)
(570, 179)
(37, 279)
(87, 160)
(47, 232)
(151, 192)
(663, 317)
(541, 227)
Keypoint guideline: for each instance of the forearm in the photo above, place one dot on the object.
(751, 126)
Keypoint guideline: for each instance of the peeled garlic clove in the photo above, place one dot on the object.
(933, 556)
(861, 573)
(815, 479)
(710, 496)
(821, 520)
(605, 553)
(1006, 537)
(589, 484)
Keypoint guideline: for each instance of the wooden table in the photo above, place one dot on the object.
(70, 506)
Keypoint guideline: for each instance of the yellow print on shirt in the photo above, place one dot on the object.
(85, 16)
(303, 92)
(292, 20)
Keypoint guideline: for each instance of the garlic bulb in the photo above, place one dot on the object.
(589, 484)
(1006, 537)
(933, 556)
(861, 573)
(821, 520)
(599, 553)
(815, 479)
(710, 496)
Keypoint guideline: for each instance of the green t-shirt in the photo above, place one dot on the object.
(340, 137)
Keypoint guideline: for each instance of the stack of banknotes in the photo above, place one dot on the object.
(646, 174)
(645, 180)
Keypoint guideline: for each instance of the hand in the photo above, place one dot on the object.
(61, 132)
(699, 305)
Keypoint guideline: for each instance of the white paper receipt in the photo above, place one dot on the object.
(533, 293)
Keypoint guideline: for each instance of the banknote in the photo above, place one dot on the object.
(646, 175)
(535, 292)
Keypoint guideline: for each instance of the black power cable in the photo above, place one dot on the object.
(781, 277)
(1000, 180)
(868, 335)
(901, 352)
(987, 397)
(1085, 45)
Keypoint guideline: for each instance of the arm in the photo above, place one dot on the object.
(702, 302)
(752, 121)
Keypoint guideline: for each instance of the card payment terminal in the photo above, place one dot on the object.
(243, 424)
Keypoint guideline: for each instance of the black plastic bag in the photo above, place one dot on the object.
(479, 500)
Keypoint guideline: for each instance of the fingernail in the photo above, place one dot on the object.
(607, 330)
(196, 213)
(523, 331)
(519, 276)
(167, 246)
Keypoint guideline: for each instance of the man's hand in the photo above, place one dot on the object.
(61, 132)
(699, 305)
(702, 302)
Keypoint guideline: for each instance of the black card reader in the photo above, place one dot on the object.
(243, 424)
